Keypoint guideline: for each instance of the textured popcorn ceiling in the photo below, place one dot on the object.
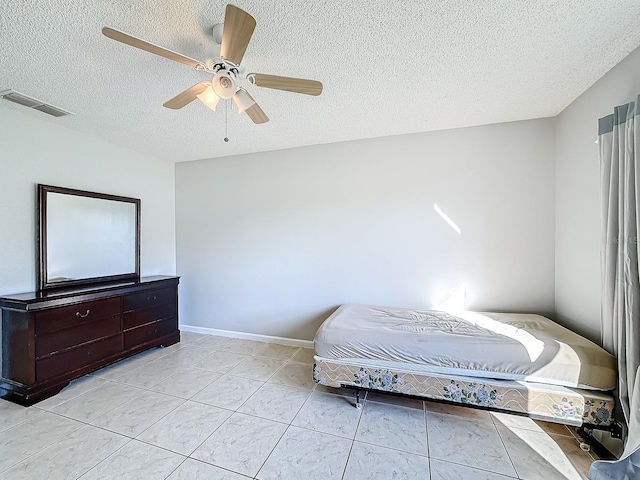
(388, 67)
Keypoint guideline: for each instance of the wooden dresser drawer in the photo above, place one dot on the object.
(148, 299)
(85, 332)
(140, 317)
(147, 333)
(51, 338)
(77, 358)
(56, 319)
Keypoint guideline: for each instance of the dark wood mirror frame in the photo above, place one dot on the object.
(42, 279)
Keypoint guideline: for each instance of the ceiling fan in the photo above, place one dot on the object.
(225, 84)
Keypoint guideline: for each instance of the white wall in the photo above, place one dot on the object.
(36, 151)
(578, 232)
(271, 243)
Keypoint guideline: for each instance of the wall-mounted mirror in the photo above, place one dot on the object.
(86, 237)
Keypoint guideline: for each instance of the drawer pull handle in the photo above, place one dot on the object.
(78, 314)
(151, 298)
(89, 353)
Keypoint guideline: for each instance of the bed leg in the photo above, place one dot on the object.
(586, 435)
(358, 404)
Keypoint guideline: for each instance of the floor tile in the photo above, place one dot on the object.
(69, 458)
(135, 416)
(228, 392)
(213, 342)
(518, 421)
(25, 439)
(190, 338)
(542, 455)
(304, 355)
(12, 414)
(257, 368)
(195, 470)
(346, 392)
(275, 402)
(149, 374)
(160, 351)
(555, 428)
(97, 402)
(371, 462)
(281, 352)
(244, 347)
(306, 455)
(467, 442)
(187, 355)
(186, 383)
(154, 353)
(287, 428)
(441, 470)
(329, 413)
(394, 427)
(136, 460)
(117, 369)
(469, 413)
(220, 361)
(75, 388)
(294, 374)
(185, 428)
(392, 399)
(241, 444)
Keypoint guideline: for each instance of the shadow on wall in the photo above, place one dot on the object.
(314, 321)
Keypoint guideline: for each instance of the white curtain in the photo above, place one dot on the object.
(628, 467)
(620, 174)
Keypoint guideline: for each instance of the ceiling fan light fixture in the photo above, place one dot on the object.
(243, 100)
(224, 85)
(209, 98)
(218, 28)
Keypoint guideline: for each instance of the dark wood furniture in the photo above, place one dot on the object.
(51, 338)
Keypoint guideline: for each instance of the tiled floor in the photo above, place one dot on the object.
(222, 409)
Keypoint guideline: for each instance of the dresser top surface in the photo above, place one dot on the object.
(85, 291)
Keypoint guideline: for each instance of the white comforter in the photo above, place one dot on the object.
(491, 345)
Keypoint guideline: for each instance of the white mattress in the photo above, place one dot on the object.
(506, 346)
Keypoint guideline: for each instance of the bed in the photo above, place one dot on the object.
(521, 363)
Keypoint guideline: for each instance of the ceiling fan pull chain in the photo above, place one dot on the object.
(226, 121)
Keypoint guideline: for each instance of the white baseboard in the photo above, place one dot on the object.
(293, 342)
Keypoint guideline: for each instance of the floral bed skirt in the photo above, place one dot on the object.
(570, 406)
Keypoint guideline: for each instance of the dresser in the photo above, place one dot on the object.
(51, 338)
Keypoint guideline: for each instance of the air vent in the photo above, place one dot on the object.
(22, 99)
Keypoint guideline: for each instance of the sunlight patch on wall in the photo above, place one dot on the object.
(447, 219)
(454, 302)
